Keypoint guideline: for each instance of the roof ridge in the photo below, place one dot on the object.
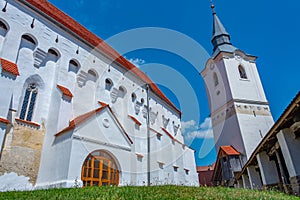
(68, 22)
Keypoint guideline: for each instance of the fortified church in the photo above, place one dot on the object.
(75, 111)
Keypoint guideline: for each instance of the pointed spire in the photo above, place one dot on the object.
(220, 35)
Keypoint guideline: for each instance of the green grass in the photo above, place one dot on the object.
(155, 192)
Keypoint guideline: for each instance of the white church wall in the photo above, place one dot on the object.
(228, 133)
(253, 129)
(191, 175)
(55, 164)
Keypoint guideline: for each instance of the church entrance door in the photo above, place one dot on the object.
(99, 169)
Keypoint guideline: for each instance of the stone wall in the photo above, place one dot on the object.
(22, 151)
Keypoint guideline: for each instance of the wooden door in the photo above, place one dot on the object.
(99, 169)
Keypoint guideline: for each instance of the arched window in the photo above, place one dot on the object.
(216, 80)
(242, 72)
(73, 66)
(99, 169)
(53, 54)
(92, 75)
(3, 29)
(108, 84)
(29, 102)
(122, 91)
(29, 39)
(133, 97)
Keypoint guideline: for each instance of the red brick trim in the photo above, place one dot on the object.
(4, 121)
(135, 120)
(29, 123)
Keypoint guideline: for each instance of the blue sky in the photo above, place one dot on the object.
(269, 30)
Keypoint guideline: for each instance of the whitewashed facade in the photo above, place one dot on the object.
(240, 112)
(52, 77)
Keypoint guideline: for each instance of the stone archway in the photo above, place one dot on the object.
(99, 169)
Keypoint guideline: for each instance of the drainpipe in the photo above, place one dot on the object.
(148, 136)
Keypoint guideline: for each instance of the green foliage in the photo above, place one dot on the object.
(154, 192)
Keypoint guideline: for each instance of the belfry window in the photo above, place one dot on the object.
(242, 72)
(216, 80)
(29, 102)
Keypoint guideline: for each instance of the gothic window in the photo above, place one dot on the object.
(216, 80)
(99, 169)
(242, 72)
(108, 84)
(29, 102)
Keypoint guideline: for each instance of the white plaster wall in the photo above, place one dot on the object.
(220, 94)
(2, 135)
(267, 168)
(250, 127)
(290, 150)
(250, 89)
(228, 133)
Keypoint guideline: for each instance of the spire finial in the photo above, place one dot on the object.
(212, 5)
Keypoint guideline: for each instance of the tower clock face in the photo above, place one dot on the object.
(212, 66)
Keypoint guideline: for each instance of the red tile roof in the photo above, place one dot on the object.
(65, 91)
(155, 131)
(9, 67)
(229, 150)
(205, 168)
(168, 134)
(102, 104)
(5, 121)
(173, 138)
(135, 120)
(83, 118)
(63, 19)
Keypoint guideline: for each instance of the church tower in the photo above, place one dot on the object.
(239, 109)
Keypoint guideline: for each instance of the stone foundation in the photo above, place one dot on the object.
(22, 152)
(295, 185)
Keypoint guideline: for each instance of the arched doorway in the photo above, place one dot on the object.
(99, 169)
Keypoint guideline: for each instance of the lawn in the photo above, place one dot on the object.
(154, 192)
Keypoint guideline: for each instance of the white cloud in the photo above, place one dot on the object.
(137, 61)
(191, 131)
(188, 125)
